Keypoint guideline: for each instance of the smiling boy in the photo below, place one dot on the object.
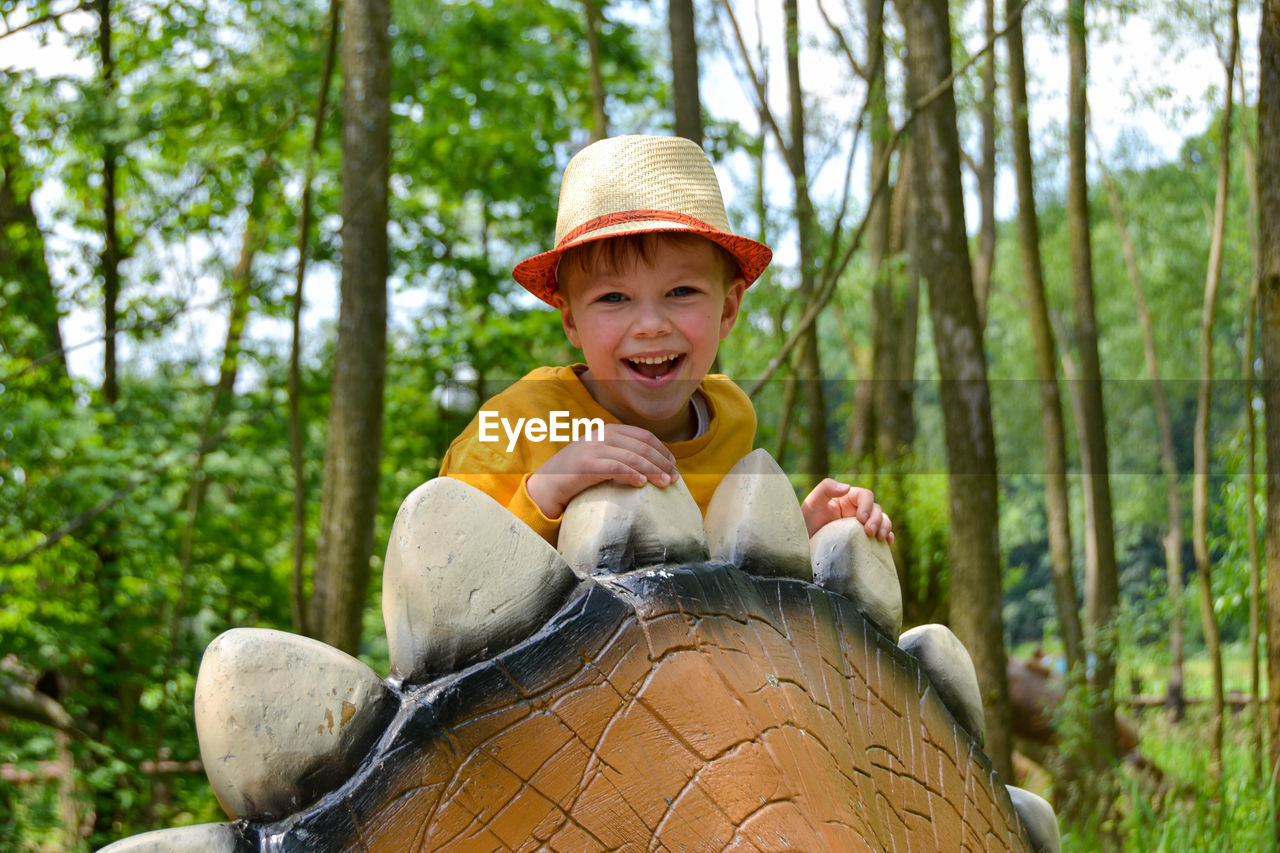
(648, 279)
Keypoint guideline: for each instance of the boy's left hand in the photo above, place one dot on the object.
(831, 500)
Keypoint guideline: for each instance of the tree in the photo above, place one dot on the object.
(354, 449)
(1251, 444)
(944, 264)
(817, 465)
(1057, 506)
(884, 423)
(687, 105)
(599, 115)
(1200, 482)
(1269, 315)
(297, 579)
(30, 328)
(986, 171)
(1168, 456)
(1101, 581)
(110, 258)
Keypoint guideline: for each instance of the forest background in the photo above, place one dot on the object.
(1040, 345)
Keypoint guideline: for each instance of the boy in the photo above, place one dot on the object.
(648, 279)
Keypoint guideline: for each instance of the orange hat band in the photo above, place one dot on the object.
(622, 217)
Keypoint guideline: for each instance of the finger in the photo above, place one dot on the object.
(640, 440)
(824, 494)
(872, 524)
(865, 502)
(634, 468)
(629, 450)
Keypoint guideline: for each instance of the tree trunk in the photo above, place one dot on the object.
(1101, 583)
(110, 258)
(684, 70)
(1204, 404)
(886, 429)
(966, 402)
(1269, 324)
(31, 330)
(1056, 501)
(1251, 532)
(354, 448)
(817, 465)
(297, 586)
(599, 116)
(893, 314)
(986, 172)
(1251, 447)
(1168, 457)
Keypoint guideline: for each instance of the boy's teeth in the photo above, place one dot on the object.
(654, 366)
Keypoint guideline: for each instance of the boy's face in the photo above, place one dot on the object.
(650, 331)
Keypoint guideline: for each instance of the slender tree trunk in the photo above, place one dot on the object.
(1168, 456)
(869, 430)
(893, 298)
(22, 260)
(110, 239)
(983, 263)
(943, 259)
(297, 596)
(599, 116)
(1204, 404)
(684, 69)
(1269, 323)
(868, 418)
(1251, 530)
(1056, 501)
(898, 402)
(817, 465)
(1101, 583)
(354, 448)
(1251, 443)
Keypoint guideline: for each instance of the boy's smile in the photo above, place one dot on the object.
(650, 331)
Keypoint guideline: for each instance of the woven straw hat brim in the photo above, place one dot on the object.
(638, 185)
(538, 274)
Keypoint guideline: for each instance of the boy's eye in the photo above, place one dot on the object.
(611, 298)
(684, 291)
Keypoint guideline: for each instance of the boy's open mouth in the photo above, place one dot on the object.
(654, 367)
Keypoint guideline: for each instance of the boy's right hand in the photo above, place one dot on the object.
(626, 454)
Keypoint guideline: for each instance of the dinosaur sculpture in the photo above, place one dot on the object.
(657, 684)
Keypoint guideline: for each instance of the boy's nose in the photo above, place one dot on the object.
(650, 320)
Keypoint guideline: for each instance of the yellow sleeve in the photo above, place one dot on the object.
(501, 476)
(523, 508)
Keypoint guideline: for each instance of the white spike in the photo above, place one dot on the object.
(847, 561)
(198, 838)
(1039, 819)
(950, 669)
(754, 520)
(463, 578)
(612, 528)
(281, 719)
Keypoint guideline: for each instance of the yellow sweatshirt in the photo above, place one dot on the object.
(504, 475)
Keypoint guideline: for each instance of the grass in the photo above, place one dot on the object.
(1188, 811)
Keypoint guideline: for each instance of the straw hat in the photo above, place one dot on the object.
(633, 185)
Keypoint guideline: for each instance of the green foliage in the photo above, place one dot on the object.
(1190, 813)
(91, 517)
(210, 122)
